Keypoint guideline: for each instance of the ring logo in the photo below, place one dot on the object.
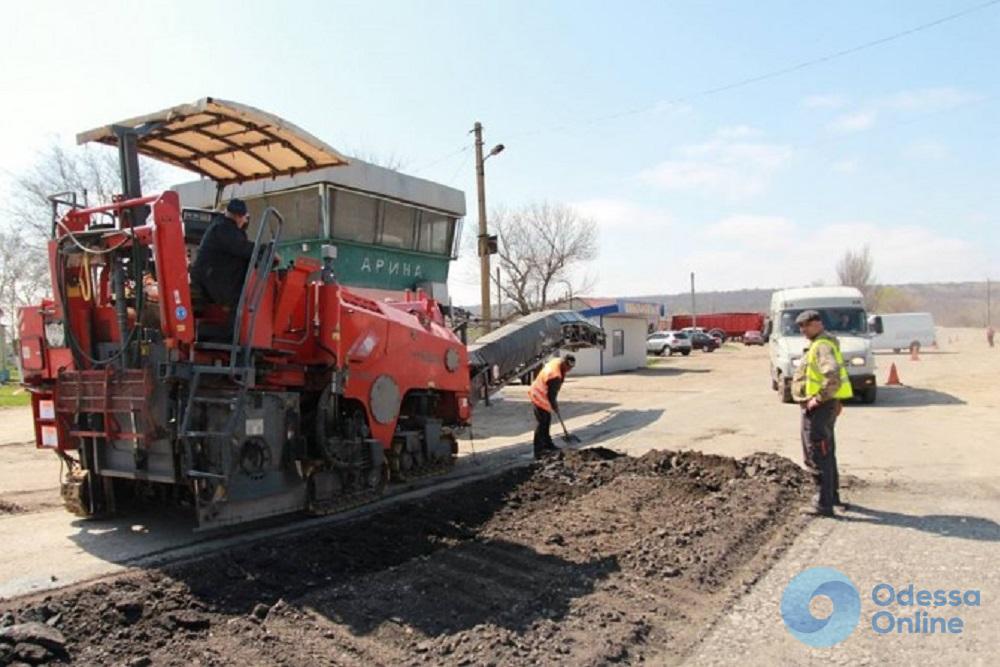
(799, 594)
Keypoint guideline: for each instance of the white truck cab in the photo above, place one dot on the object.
(843, 313)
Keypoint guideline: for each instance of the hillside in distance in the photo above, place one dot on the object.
(951, 304)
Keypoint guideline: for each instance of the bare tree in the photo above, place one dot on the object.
(888, 299)
(24, 277)
(92, 173)
(857, 269)
(541, 248)
(390, 161)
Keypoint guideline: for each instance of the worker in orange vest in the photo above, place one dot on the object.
(543, 393)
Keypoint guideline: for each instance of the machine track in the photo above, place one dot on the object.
(355, 500)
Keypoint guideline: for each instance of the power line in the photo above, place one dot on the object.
(740, 83)
(462, 165)
(437, 161)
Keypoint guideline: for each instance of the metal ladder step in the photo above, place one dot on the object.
(205, 434)
(223, 370)
(218, 347)
(200, 474)
(210, 400)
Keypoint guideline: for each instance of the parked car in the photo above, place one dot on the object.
(668, 342)
(702, 341)
(718, 334)
(753, 338)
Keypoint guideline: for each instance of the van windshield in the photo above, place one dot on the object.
(835, 320)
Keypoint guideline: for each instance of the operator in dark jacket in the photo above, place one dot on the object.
(223, 256)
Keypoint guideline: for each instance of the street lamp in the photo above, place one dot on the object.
(487, 244)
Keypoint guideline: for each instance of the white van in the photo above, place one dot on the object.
(905, 331)
(843, 313)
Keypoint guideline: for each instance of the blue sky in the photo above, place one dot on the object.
(762, 185)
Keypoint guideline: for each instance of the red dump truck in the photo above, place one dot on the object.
(732, 325)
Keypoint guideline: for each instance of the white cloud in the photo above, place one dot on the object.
(910, 253)
(847, 166)
(917, 101)
(927, 100)
(767, 251)
(729, 163)
(756, 231)
(737, 132)
(623, 215)
(925, 151)
(826, 101)
(673, 108)
(854, 122)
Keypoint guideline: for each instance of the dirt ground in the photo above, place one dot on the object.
(588, 559)
(927, 509)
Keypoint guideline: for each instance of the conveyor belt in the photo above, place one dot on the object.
(518, 348)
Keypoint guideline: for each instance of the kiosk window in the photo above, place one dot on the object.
(435, 233)
(397, 225)
(300, 210)
(354, 216)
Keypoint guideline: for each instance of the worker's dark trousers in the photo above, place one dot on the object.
(818, 452)
(833, 454)
(543, 440)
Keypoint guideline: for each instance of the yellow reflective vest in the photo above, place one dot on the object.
(815, 377)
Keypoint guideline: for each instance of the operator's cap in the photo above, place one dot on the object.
(808, 316)
(237, 207)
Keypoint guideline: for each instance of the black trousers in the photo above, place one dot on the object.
(819, 452)
(543, 439)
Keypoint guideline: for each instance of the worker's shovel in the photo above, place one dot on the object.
(568, 438)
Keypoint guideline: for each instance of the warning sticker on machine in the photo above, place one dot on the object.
(255, 426)
(46, 410)
(50, 438)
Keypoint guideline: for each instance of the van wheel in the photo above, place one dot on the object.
(895, 350)
(685, 352)
(869, 394)
(915, 347)
(774, 384)
(786, 392)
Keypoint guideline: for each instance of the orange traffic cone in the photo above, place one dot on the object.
(893, 377)
(914, 353)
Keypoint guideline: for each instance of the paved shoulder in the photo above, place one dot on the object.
(908, 541)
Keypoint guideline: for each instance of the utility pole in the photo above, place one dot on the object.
(989, 305)
(694, 313)
(499, 300)
(484, 257)
(487, 244)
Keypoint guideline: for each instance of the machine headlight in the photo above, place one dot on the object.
(858, 361)
(796, 362)
(55, 335)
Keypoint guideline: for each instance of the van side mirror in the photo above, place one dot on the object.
(877, 324)
(767, 331)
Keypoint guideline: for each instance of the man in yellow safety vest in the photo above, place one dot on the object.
(819, 385)
(543, 393)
